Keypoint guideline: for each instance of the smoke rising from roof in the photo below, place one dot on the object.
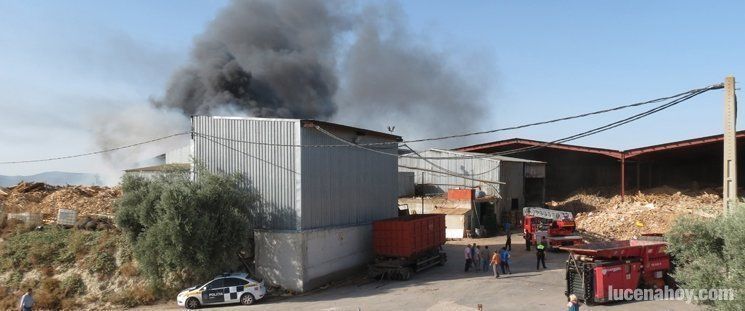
(309, 59)
(323, 60)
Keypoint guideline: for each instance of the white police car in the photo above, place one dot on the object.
(224, 289)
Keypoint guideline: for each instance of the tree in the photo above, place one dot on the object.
(183, 230)
(710, 254)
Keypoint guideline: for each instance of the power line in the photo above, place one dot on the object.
(589, 132)
(708, 88)
(94, 152)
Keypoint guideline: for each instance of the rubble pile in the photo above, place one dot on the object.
(46, 199)
(651, 211)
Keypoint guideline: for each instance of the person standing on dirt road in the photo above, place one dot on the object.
(476, 258)
(27, 301)
(541, 254)
(473, 256)
(527, 238)
(469, 257)
(508, 244)
(485, 259)
(504, 260)
(495, 263)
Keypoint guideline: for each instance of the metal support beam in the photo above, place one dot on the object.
(730, 146)
(623, 177)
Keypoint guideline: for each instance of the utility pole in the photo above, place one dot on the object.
(730, 146)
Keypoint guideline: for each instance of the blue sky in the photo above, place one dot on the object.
(63, 64)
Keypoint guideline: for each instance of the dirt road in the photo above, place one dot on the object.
(449, 288)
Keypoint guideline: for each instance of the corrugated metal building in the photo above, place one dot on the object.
(316, 189)
(516, 182)
(303, 184)
(459, 163)
(466, 169)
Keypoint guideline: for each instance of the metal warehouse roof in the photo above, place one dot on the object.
(530, 142)
(323, 124)
(607, 152)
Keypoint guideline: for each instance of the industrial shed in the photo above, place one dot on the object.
(319, 194)
(689, 164)
(504, 184)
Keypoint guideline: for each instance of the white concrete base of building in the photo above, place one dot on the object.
(303, 260)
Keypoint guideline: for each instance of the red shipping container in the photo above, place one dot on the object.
(460, 194)
(408, 236)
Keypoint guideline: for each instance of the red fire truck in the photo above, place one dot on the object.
(557, 226)
(594, 268)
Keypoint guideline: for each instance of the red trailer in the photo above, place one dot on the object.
(407, 244)
(592, 269)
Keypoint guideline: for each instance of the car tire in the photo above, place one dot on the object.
(192, 303)
(247, 299)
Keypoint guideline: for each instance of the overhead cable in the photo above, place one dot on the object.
(95, 152)
(585, 133)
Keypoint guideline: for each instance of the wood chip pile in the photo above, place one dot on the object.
(46, 199)
(652, 211)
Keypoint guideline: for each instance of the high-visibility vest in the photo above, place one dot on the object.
(540, 247)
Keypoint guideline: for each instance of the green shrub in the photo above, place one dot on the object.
(184, 230)
(710, 253)
(102, 263)
(72, 286)
(101, 259)
(16, 277)
(81, 242)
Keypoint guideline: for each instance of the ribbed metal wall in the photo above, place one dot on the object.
(346, 185)
(302, 187)
(274, 171)
(483, 169)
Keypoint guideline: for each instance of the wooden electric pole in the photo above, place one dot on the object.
(730, 146)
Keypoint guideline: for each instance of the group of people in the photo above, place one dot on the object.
(480, 259)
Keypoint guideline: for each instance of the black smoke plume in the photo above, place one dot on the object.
(264, 58)
(325, 60)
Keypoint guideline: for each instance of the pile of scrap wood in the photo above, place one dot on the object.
(651, 211)
(46, 199)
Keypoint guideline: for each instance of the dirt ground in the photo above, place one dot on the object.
(449, 288)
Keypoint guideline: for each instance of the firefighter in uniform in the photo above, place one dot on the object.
(541, 254)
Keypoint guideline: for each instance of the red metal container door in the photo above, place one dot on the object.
(408, 236)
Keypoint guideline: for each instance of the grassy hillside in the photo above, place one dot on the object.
(69, 269)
